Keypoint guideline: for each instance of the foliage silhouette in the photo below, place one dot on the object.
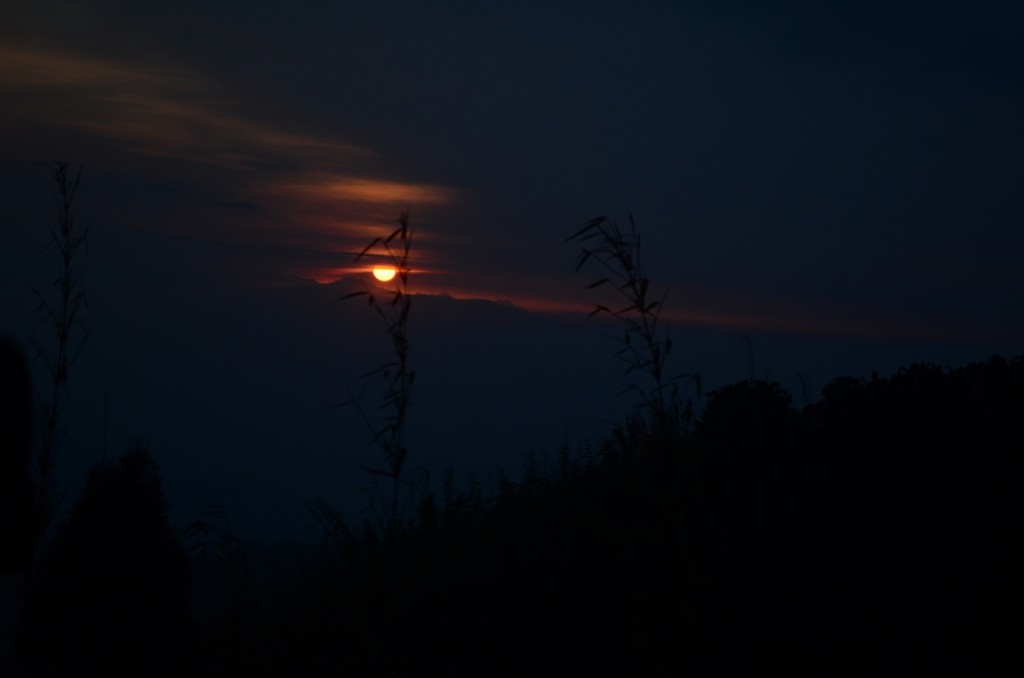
(17, 492)
(645, 348)
(747, 414)
(390, 436)
(109, 594)
(220, 556)
(873, 525)
(63, 317)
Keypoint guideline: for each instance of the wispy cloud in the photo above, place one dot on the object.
(360, 190)
(158, 111)
(47, 68)
(350, 211)
(309, 191)
(365, 203)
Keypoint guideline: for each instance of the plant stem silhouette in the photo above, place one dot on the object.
(62, 316)
(394, 311)
(645, 346)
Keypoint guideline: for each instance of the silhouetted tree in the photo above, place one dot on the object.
(917, 513)
(748, 425)
(17, 523)
(109, 594)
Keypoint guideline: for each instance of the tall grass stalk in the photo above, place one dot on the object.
(645, 344)
(60, 315)
(394, 310)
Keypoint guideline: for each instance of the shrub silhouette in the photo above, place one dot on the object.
(774, 540)
(746, 523)
(926, 469)
(749, 413)
(109, 594)
(17, 502)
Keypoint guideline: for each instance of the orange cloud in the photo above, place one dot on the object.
(352, 189)
(157, 111)
(39, 68)
(369, 190)
(164, 112)
(350, 211)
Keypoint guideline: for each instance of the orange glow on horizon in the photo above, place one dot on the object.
(681, 319)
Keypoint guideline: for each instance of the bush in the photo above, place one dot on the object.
(17, 500)
(109, 595)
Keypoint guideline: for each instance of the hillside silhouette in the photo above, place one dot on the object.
(874, 531)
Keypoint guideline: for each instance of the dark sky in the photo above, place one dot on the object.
(842, 172)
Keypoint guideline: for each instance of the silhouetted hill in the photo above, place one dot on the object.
(873, 532)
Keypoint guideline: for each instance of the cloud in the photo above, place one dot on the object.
(158, 111)
(372, 191)
(323, 191)
(47, 68)
(310, 192)
(350, 211)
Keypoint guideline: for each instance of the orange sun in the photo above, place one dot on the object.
(384, 273)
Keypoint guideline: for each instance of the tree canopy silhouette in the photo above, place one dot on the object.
(17, 522)
(110, 592)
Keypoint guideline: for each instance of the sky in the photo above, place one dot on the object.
(836, 177)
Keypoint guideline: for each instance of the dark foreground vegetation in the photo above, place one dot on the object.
(876, 532)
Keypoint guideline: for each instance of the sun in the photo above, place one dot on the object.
(384, 273)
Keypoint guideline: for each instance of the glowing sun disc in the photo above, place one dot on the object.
(384, 273)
